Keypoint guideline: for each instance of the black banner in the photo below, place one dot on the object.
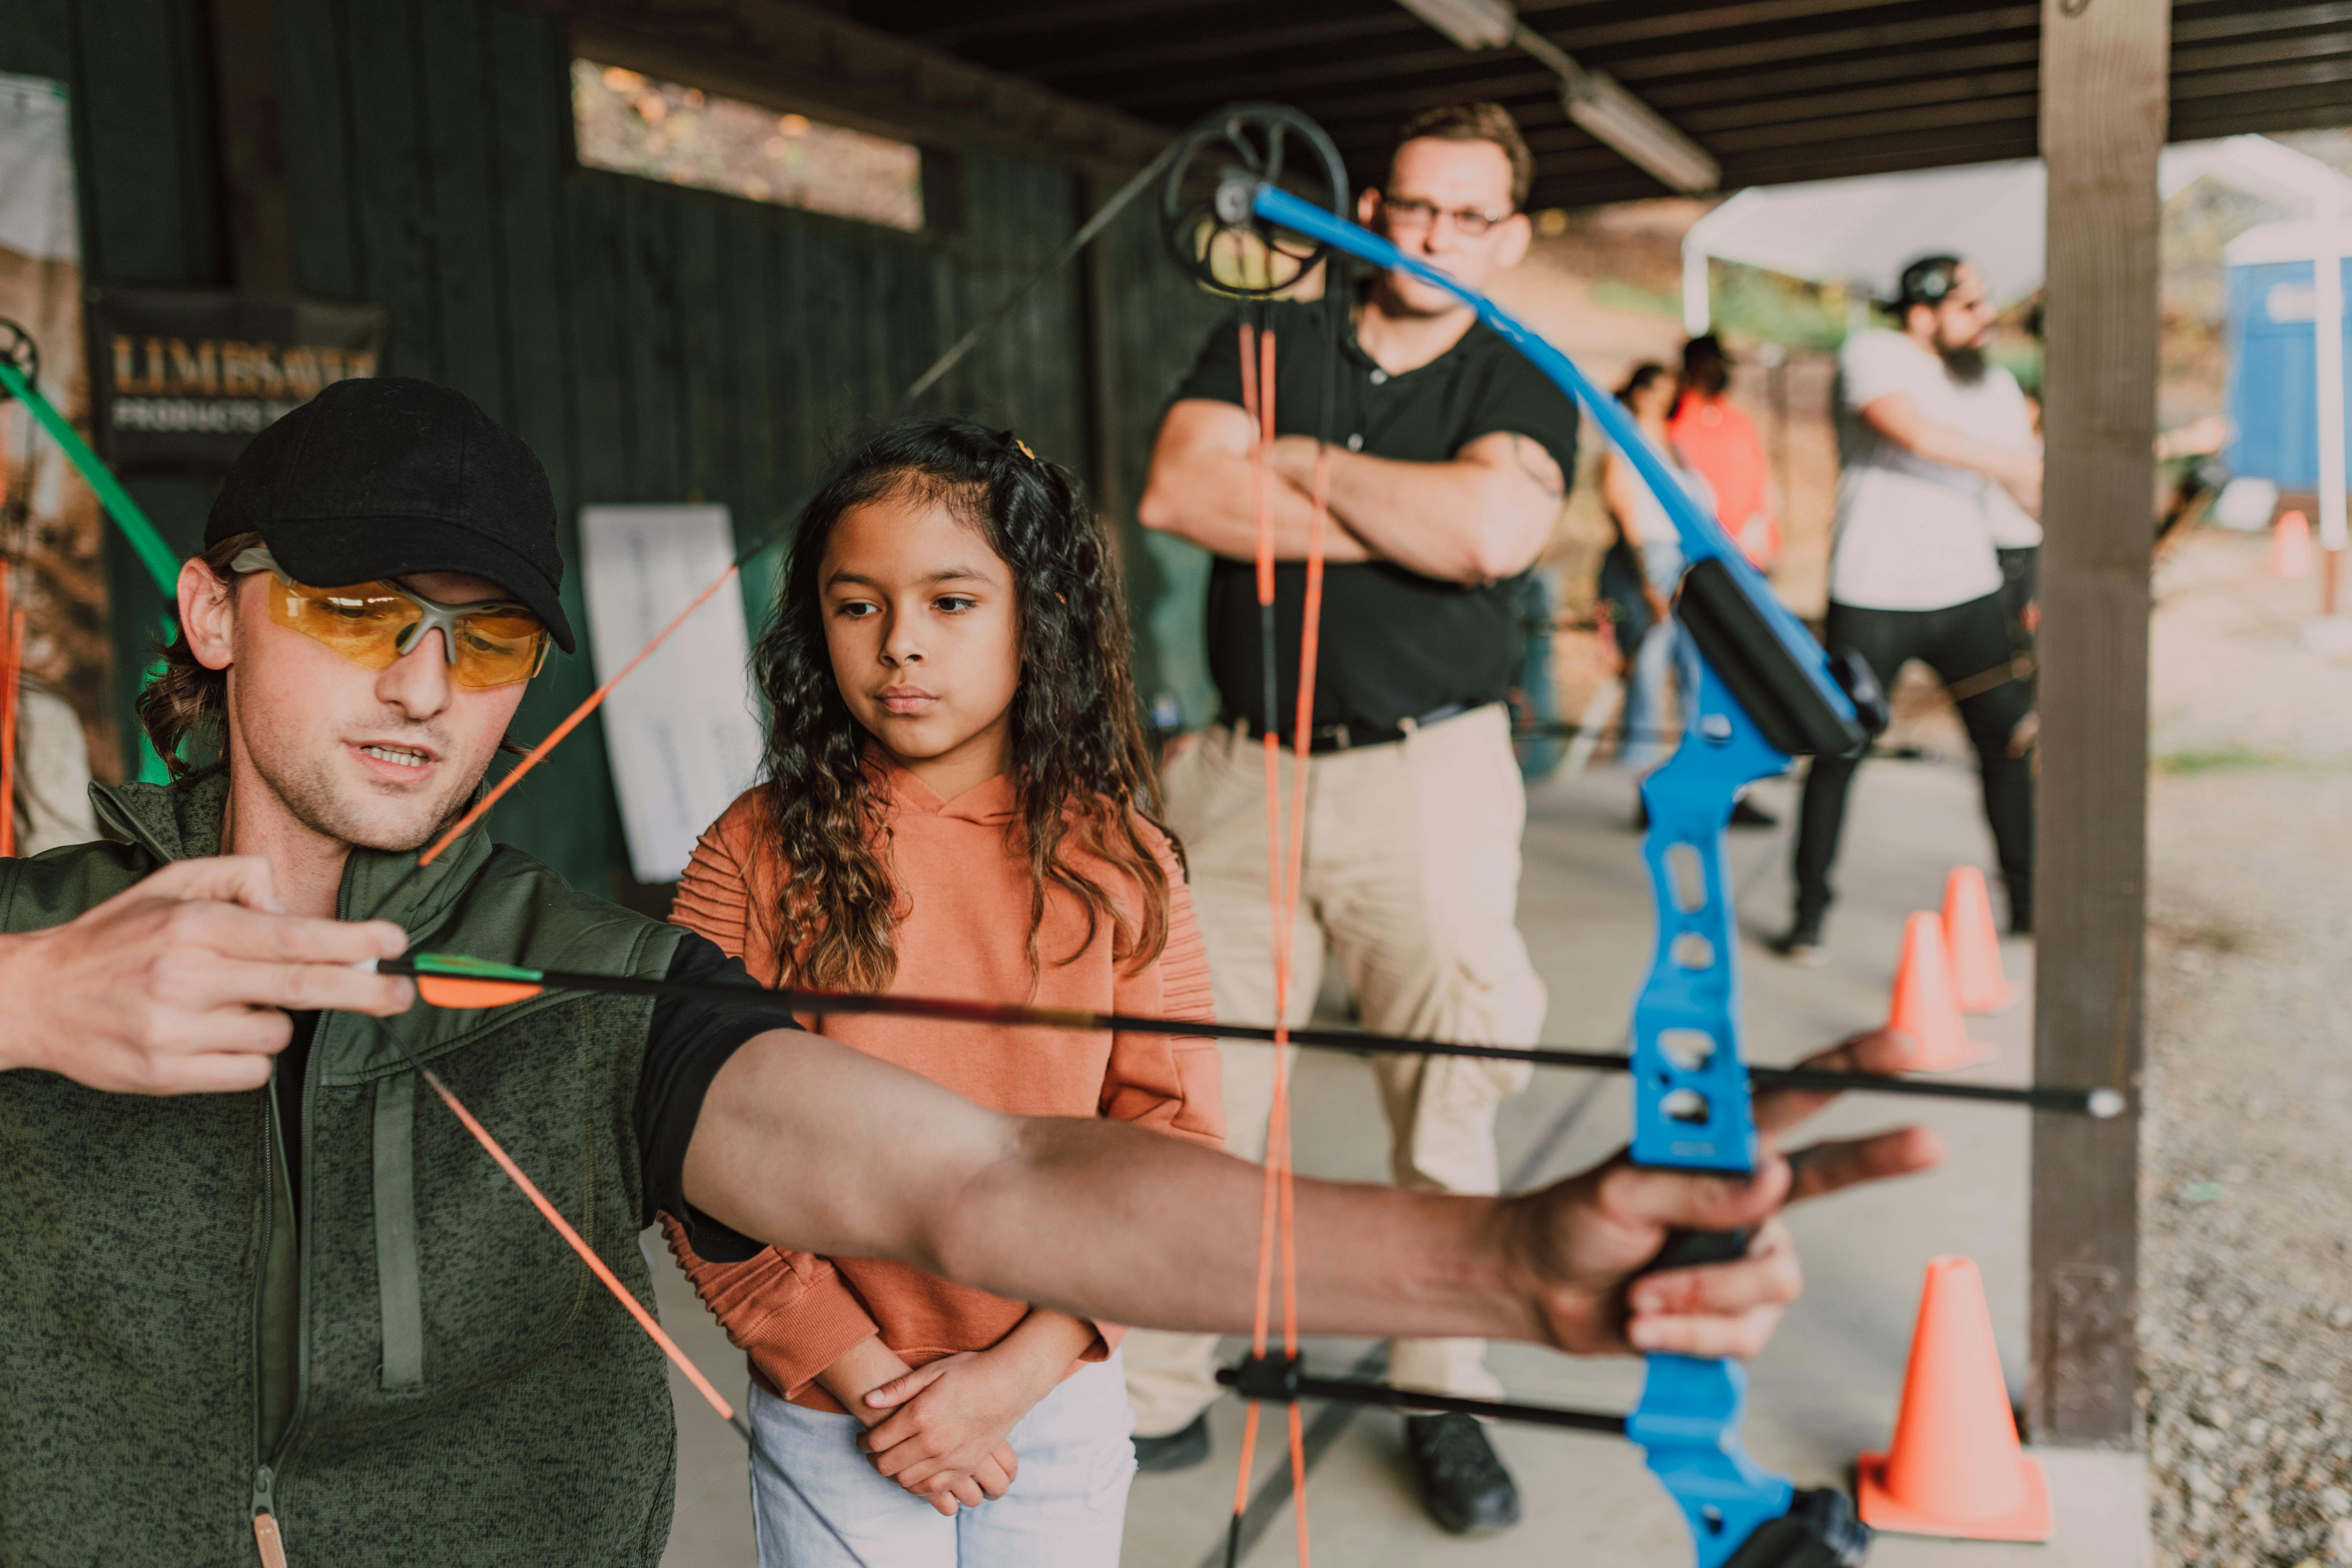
(183, 379)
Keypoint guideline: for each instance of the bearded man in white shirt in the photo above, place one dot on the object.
(1939, 460)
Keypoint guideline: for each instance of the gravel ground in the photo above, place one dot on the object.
(2246, 1202)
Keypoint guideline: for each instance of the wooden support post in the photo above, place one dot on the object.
(2103, 121)
(245, 97)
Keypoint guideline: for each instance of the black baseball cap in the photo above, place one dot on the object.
(385, 476)
(1927, 281)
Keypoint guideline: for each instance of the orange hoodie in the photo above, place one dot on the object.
(964, 894)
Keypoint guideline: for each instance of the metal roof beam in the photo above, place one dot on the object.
(2237, 23)
(1869, 71)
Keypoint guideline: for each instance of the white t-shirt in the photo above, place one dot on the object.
(1914, 535)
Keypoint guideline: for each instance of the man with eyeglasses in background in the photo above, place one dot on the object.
(1941, 464)
(1448, 458)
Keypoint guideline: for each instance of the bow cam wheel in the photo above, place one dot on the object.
(1204, 207)
(16, 346)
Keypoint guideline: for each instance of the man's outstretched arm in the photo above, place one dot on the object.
(810, 1145)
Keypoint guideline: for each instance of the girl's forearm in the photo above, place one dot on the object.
(862, 1368)
(1044, 1344)
(1051, 1335)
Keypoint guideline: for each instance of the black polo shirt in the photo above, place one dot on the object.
(1396, 644)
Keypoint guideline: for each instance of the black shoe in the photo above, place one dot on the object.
(1178, 1450)
(1464, 1485)
(1746, 814)
(1801, 944)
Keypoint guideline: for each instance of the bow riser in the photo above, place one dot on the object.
(1690, 1084)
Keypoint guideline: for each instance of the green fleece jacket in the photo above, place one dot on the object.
(419, 1373)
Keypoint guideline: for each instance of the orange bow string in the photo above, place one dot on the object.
(11, 673)
(1286, 858)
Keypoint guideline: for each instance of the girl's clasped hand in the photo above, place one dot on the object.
(946, 1421)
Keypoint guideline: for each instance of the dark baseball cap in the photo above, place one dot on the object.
(385, 475)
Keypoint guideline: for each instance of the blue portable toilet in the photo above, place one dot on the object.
(2274, 374)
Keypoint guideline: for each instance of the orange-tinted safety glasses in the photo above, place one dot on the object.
(488, 643)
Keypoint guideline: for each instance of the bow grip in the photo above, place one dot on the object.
(1690, 1248)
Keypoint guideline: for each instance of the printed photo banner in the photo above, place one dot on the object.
(52, 532)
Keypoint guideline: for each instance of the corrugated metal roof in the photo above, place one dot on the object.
(1775, 90)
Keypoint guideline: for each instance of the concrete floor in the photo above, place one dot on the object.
(1827, 1386)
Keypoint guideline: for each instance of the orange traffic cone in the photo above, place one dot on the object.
(2290, 546)
(1973, 946)
(1955, 1467)
(1924, 1007)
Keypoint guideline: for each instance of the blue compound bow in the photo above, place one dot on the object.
(1767, 693)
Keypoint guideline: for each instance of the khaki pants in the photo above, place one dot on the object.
(1410, 879)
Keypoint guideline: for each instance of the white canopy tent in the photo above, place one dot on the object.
(1863, 232)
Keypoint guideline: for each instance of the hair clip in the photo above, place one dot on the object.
(1025, 449)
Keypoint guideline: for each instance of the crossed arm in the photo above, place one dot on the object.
(1482, 516)
(2017, 470)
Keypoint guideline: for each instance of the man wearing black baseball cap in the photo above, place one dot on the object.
(383, 477)
(264, 1301)
(1939, 452)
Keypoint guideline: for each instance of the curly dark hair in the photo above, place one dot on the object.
(1081, 770)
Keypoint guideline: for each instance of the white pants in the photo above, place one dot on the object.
(1066, 1508)
(1410, 876)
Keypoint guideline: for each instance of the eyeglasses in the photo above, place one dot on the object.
(488, 643)
(1411, 213)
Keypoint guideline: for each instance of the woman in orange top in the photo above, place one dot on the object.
(957, 805)
(1715, 437)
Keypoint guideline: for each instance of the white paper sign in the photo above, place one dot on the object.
(681, 731)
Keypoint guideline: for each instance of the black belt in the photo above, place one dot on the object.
(1349, 734)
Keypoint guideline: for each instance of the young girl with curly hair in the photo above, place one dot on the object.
(958, 804)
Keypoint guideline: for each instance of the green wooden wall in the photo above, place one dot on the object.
(1156, 324)
(651, 343)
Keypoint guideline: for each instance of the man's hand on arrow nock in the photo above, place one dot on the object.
(1826, 1167)
(181, 984)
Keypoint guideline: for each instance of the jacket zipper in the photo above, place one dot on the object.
(267, 1538)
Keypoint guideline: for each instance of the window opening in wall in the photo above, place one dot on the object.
(633, 124)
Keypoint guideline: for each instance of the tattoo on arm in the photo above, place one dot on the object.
(1543, 471)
